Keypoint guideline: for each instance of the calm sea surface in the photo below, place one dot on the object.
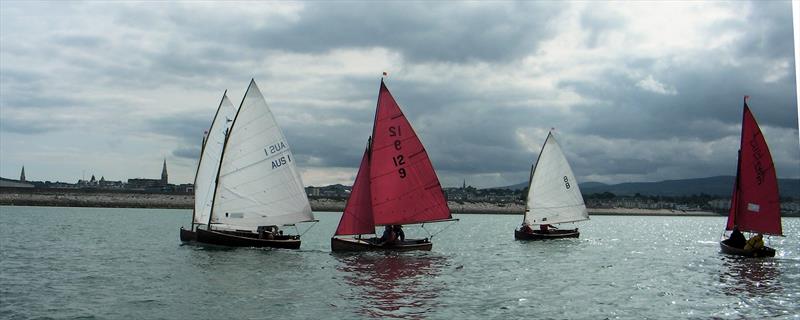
(69, 263)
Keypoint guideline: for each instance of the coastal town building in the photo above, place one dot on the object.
(151, 184)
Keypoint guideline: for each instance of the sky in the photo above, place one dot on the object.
(644, 91)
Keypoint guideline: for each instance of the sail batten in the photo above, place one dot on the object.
(553, 192)
(258, 182)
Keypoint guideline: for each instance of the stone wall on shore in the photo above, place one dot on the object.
(128, 199)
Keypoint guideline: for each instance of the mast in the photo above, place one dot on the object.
(734, 207)
(222, 156)
(530, 180)
(203, 148)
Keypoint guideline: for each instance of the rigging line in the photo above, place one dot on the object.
(440, 231)
(309, 228)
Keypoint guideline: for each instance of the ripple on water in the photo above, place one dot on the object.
(128, 263)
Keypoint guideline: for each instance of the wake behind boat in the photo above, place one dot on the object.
(395, 185)
(257, 186)
(553, 197)
(755, 203)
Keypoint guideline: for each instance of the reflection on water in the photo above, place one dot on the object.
(392, 285)
(750, 276)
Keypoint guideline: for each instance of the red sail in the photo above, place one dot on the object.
(357, 216)
(755, 205)
(405, 188)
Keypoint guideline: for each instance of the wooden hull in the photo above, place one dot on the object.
(246, 239)
(188, 235)
(552, 234)
(761, 252)
(355, 245)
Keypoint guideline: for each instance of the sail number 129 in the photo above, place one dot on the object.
(398, 160)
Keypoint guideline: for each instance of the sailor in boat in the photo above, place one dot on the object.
(526, 228)
(268, 232)
(737, 239)
(388, 236)
(545, 228)
(398, 232)
(755, 243)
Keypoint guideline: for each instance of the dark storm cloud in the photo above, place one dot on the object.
(421, 31)
(192, 153)
(707, 103)
(768, 31)
(188, 128)
(641, 116)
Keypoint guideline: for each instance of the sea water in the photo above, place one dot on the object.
(97, 263)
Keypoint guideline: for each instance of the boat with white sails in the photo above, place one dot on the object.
(257, 188)
(553, 197)
(208, 166)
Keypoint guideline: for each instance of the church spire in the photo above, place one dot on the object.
(164, 173)
(22, 175)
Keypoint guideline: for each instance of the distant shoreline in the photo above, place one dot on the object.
(127, 199)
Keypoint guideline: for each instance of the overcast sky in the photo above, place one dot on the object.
(640, 91)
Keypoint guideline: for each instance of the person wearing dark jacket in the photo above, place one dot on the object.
(398, 231)
(737, 239)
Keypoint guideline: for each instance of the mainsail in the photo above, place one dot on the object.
(209, 160)
(403, 184)
(755, 204)
(553, 193)
(357, 217)
(258, 183)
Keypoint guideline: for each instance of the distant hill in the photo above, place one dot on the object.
(717, 186)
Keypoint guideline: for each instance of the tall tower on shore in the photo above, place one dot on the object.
(22, 174)
(164, 180)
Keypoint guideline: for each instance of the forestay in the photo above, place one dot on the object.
(553, 194)
(258, 181)
(209, 160)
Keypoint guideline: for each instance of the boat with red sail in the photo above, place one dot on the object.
(395, 185)
(755, 203)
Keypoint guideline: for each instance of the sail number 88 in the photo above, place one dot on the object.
(566, 182)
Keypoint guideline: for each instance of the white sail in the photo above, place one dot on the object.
(209, 160)
(258, 183)
(553, 193)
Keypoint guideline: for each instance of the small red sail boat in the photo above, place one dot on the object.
(395, 185)
(755, 203)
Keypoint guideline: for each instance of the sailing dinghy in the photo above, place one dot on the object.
(553, 197)
(395, 185)
(257, 187)
(755, 203)
(210, 155)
